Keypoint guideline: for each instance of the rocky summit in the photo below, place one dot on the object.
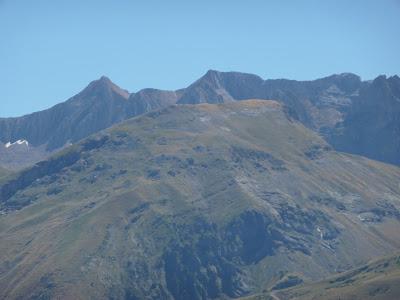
(198, 201)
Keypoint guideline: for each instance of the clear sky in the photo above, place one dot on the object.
(51, 49)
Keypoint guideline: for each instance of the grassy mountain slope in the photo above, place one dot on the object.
(193, 202)
(379, 279)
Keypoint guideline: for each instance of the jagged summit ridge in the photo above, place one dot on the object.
(333, 106)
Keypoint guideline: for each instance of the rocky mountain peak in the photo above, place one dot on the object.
(211, 76)
(381, 79)
(104, 86)
(221, 87)
(395, 78)
(347, 82)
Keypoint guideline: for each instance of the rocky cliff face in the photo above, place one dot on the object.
(372, 125)
(193, 202)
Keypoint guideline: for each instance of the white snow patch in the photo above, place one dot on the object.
(19, 142)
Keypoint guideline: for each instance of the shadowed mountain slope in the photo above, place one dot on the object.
(193, 202)
(372, 125)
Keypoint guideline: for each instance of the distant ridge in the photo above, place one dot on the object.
(355, 116)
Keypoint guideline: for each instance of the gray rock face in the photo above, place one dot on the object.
(372, 125)
(150, 99)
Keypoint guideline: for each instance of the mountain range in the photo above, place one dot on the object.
(213, 191)
(194, 202)
(354, 116)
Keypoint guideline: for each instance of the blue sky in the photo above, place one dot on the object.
(51, 49)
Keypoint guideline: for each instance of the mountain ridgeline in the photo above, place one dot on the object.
(360, 117)
(98, 106)
(194, 202)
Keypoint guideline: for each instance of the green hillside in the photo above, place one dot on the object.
(194, 202)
